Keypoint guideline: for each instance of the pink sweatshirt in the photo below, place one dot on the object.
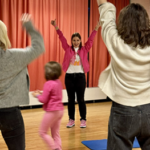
(69, 52)
(52, 96)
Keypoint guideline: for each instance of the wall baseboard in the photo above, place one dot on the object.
(91, 94)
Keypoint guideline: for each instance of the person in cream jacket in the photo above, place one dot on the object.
(126, 81)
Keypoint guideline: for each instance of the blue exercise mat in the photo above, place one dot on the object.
(102, 144)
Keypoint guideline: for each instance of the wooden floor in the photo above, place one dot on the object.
(97, 122)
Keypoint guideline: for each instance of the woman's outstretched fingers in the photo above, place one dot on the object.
(26, 17)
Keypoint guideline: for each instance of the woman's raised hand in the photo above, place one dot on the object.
(53, 22)
(97, 26)
(25, 18)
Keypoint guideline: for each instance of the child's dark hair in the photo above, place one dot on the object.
(52, 70)
(134, 26)
(76, 35)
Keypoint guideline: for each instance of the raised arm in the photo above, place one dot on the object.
(107, 20)
(23, 57)
(53, 22)
(89, 43)
(61, 36)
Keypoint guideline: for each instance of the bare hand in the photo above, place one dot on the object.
(97, 26)
(38, 91)
(35, 94)
(26, 18)
(53, 22)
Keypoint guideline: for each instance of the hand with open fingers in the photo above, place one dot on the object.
(98, 24)
(35, 94)
(25, 18)
(38, 91)
(53, 22)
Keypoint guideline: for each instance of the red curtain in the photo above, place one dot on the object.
(98, 56)
(71, 16)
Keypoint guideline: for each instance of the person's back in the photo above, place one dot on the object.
(14, 83)
(128, 74)
(130, 68)
(14, 80)
(54, 101)
(126, 81)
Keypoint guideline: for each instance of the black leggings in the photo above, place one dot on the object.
(75, 82)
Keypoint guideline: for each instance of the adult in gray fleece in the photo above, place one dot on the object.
(14, 83)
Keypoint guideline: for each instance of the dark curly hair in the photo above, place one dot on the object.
(134, 25)
(52, 70)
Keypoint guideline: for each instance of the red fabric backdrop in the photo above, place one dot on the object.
(99, 57)
(71, 16)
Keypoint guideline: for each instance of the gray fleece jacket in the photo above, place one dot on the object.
(14, 80)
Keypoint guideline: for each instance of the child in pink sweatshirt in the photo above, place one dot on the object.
(51, 97)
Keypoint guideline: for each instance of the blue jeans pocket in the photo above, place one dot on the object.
(122, 122)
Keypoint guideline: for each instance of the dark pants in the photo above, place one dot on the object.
(12, 128)
(75, 83)
(126, 123)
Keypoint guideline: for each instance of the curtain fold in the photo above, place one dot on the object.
(71, 16)
(10, 13)
(98, 56)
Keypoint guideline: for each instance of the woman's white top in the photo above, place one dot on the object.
(75, 63)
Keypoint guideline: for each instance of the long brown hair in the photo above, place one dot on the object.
(134, 25)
